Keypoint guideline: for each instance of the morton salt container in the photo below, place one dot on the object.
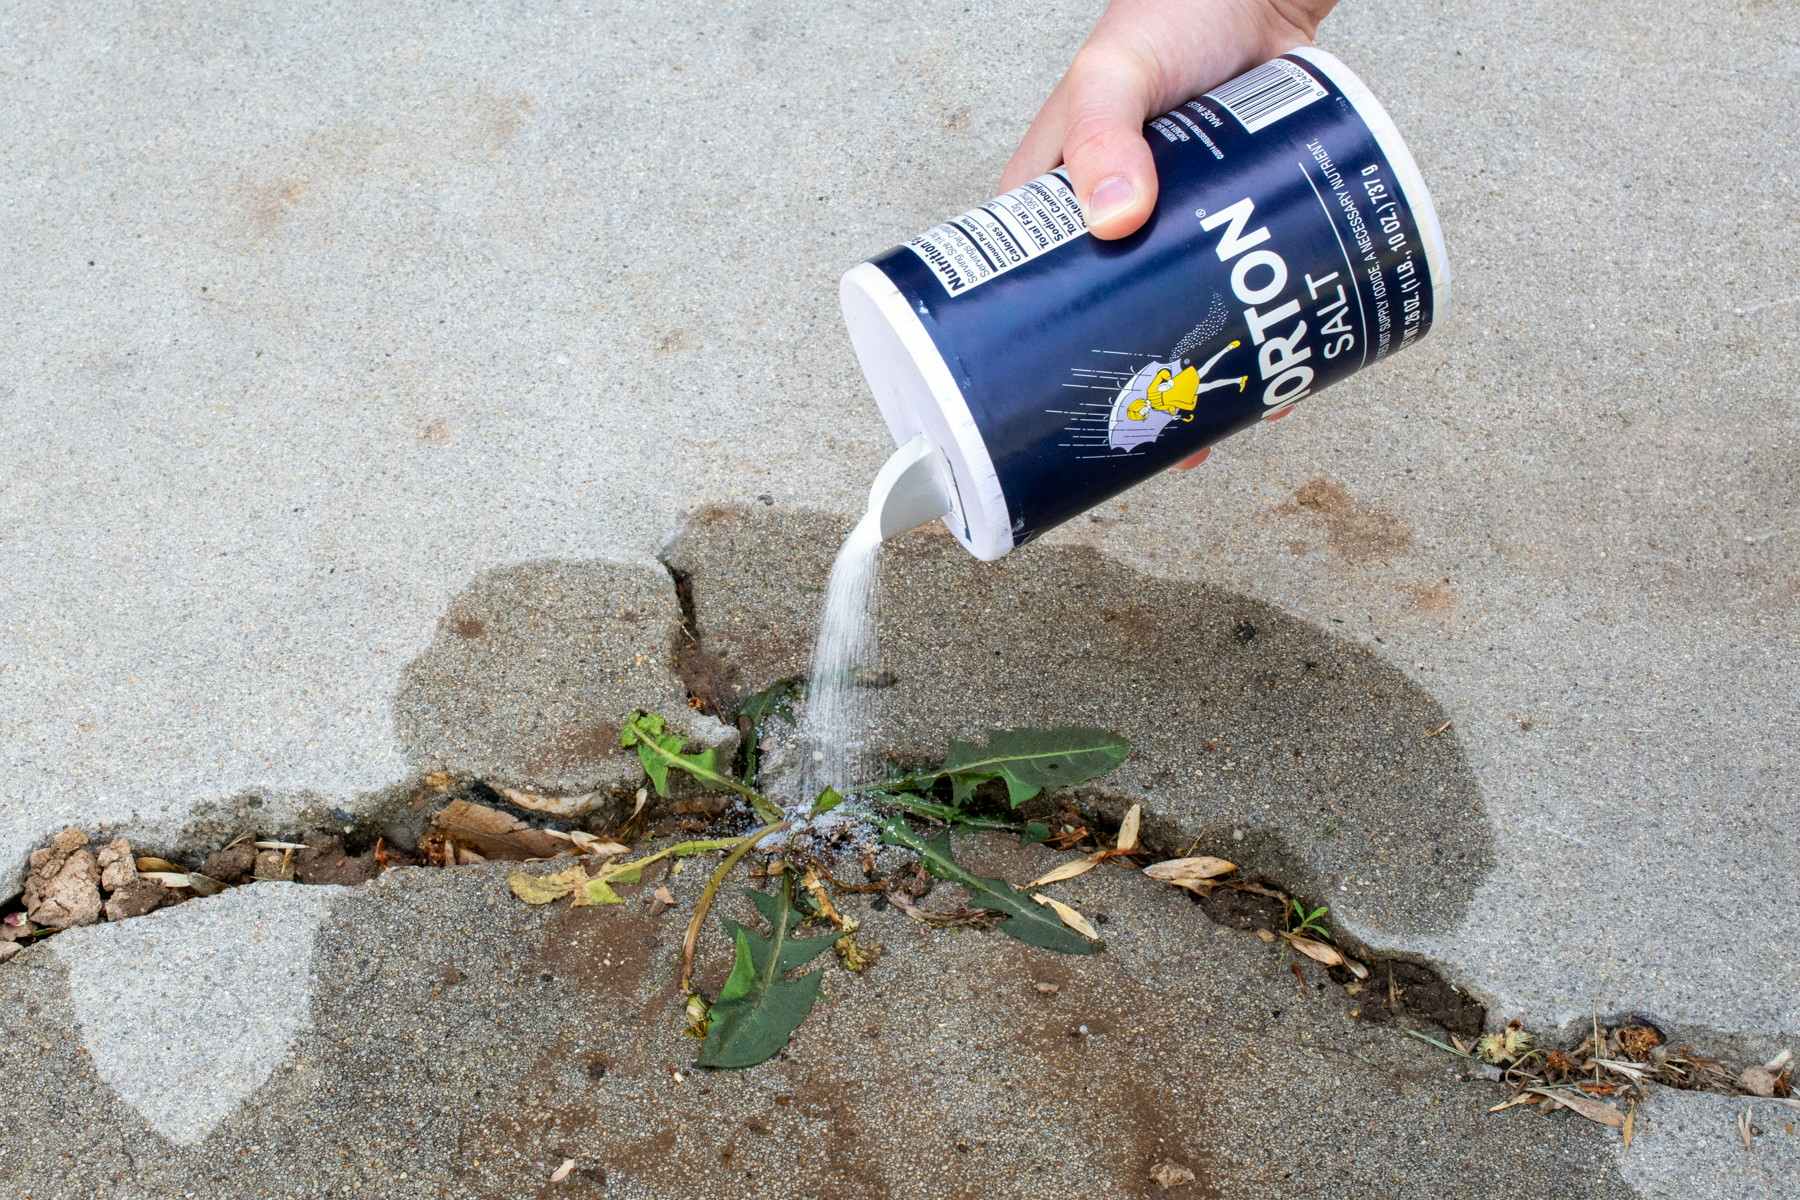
(1293, 243)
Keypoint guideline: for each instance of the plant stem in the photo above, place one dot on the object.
(731, 860)
(949, 815)
(911, 783)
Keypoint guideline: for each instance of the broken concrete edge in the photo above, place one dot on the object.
(1449, 1006)
(399, 812)
(1448, 1018)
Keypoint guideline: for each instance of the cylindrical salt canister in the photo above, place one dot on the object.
(1293, 243)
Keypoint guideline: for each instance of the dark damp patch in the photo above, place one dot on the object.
(1295, 752)
(532, 668)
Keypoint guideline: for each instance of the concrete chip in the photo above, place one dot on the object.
(63, 887)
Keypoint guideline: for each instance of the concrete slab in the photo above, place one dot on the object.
(320, 317)
(1692, 1148)
(461, 1044)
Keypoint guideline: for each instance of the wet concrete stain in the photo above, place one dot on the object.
(267, 205)
(1296, 752)
(531, 670)
(1355, 530)
(1436, 599)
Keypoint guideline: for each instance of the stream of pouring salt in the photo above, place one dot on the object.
(835, 730)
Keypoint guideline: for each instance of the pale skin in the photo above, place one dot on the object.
(1143, 58)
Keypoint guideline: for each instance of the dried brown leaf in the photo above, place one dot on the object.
(1630, 1125)
(1128, 829)
(493, 833)
(1322, 952)
(1597, 1111)
(169, 879)
(1070, 917)
(151, 863)
(203, 885)
(1196, 874)
(1068, 870)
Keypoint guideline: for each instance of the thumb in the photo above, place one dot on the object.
(1110, 93)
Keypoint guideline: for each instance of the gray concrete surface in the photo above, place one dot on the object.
(463, 1045)
(186, 1016)
(320, 321)
(1692, 1148)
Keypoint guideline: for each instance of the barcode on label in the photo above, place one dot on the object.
(1259, 98)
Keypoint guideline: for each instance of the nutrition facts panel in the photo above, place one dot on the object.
(988, 241)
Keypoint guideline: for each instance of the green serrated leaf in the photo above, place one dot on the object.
(828, 799)
(758, 1009)
(964, 783)
(599, 891)
(659, 749)
(1026, 920)
(1031, 760)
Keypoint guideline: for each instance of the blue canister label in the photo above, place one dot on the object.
(1283, 255)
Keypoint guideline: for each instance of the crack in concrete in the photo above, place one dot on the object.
(712, 680)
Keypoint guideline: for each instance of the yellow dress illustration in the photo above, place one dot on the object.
(1176, 392)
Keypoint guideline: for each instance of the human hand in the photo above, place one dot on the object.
(1143, 58)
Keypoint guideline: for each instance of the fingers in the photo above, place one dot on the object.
(1108, 94)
